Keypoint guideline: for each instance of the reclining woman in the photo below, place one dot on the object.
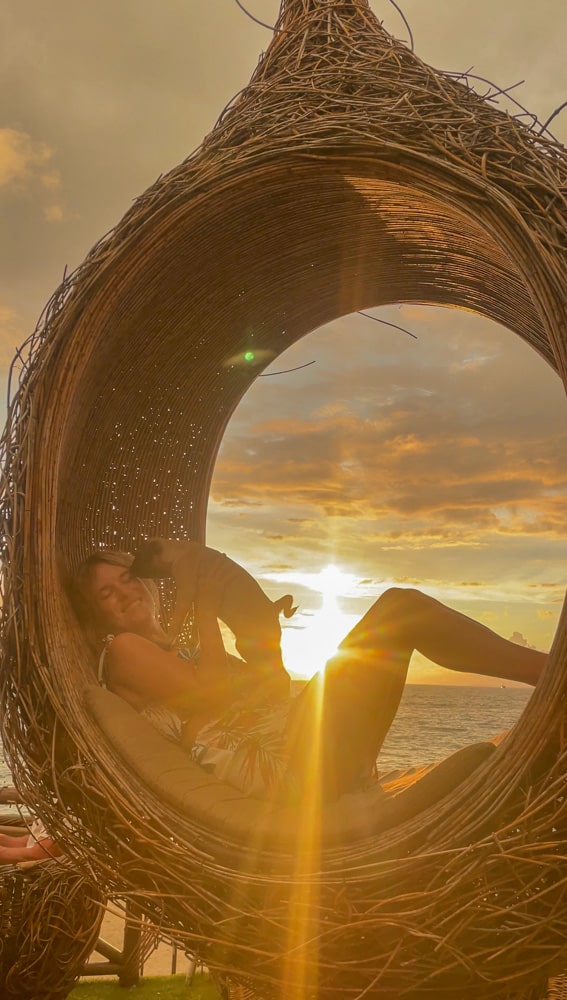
(236, 718)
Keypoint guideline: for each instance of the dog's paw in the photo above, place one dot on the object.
(284, 606)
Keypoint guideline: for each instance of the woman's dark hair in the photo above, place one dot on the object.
(78, 591)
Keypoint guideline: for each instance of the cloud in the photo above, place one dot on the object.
(400, 465)
(434, 452)
(11, 334)
(438, 459)
(24, 161)
(25, 167)
(345, 466)
(54, 213)
(520, 640)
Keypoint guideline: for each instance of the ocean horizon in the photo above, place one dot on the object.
(434, 720)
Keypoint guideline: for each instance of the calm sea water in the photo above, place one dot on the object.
(435, 720)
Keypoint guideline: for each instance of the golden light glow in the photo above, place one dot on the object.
(300, 969)
(313, 638)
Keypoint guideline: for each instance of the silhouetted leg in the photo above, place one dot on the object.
(364, 682)
(402, 620)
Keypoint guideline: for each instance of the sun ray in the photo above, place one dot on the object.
(300, 978)
(312, 636)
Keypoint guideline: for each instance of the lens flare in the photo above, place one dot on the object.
(250, 357)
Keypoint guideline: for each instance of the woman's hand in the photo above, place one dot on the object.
(200, 575)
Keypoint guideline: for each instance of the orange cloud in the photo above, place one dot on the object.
(54, 213)
(11, 335)
(25, 164)
(349, 466)
(23, 160)
(433, 463)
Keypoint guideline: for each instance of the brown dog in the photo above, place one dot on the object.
(244, 607)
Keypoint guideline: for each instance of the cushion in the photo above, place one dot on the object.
(168, 771)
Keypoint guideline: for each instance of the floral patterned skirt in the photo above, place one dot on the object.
(325, 739)
(247, 748)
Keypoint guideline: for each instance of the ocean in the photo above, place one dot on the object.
(434, 720)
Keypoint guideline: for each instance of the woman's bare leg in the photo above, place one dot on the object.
(366, 678)
(407, 620)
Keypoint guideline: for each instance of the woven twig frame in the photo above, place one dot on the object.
(50, 917)
(347, 175)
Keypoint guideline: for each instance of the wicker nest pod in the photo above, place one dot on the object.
(50, 918)
(347, 175)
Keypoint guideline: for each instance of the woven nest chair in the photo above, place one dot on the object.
(347, 175)
(50, 916)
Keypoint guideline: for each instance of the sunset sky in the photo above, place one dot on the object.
(437, 462)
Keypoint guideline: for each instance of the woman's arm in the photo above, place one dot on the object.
(210, 591)
(140, 672)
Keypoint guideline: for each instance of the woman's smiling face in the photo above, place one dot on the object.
(120, 602)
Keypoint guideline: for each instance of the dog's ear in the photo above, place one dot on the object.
(284, 605)
(149, 560)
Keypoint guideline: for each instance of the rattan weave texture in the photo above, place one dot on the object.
(557, 989)
(347, 175)
(50, 917)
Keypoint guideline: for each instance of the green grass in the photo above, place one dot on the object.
(162, 987)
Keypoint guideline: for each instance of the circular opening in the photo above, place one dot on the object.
(376, 459)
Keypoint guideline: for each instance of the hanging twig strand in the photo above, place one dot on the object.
(387, 323)
(406, 22)
(256, 20)
(286, 371)
(552, 116)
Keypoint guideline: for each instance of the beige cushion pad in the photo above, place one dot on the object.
(167, 770)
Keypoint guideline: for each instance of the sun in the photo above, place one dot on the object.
(308, 645)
